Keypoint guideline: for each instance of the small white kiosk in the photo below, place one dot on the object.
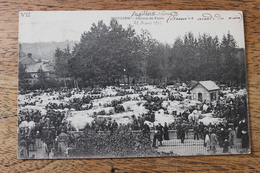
(205, 91)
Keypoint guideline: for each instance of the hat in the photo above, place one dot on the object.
(244, 131)
(229, 129)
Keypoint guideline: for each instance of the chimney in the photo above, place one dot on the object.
(29, 55)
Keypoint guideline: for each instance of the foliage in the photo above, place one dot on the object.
(22, 72)
(23, 75)
(120, 143)
(42, 78)
(61, 65)
(206, 58)
(106, 50)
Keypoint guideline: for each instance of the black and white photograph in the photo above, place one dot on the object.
(117, 84)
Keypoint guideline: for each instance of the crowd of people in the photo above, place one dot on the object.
(223, 134)
(51, 134)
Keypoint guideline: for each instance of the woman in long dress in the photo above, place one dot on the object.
(23, 153)
(166, 132)
(38, 140)
(213, 141)
(231, 137)
(207, 141)
(45, 150)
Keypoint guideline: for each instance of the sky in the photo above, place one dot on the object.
(165, 26)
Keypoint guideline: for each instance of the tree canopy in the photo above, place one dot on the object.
(106, 53)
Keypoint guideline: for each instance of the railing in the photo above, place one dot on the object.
(171, 147)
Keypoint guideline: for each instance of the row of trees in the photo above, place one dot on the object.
(106, 53)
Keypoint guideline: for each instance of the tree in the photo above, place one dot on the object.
(155, 57)
(62, 63)
(209, 57)
(23, 75)
(154, 64)
(205, 58)
(105, 51)
(22, 72)
(230, 65)
(42, 78)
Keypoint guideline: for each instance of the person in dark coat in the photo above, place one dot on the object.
(146, 131)
(201, 130)
(222, 135)
(178, 127)
(245, 140)
(28, 141)
(157, 136)
(166, 132)
(160, 129)
(225, 146)
(196, 131)
(182, 133)
(45, 135)
(31, 143)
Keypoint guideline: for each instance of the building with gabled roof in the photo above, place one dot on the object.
(205, 91)
(27, 60)
(32, 67)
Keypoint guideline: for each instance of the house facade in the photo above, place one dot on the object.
(205, 91)
(32, 67)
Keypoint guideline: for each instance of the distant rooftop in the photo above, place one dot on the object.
(33, 68)
(209, 85)
(27, 60)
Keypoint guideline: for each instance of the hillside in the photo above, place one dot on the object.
(45, 50)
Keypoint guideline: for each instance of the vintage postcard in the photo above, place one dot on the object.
(109, 84)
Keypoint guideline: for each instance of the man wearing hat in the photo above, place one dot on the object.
(221, 137)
